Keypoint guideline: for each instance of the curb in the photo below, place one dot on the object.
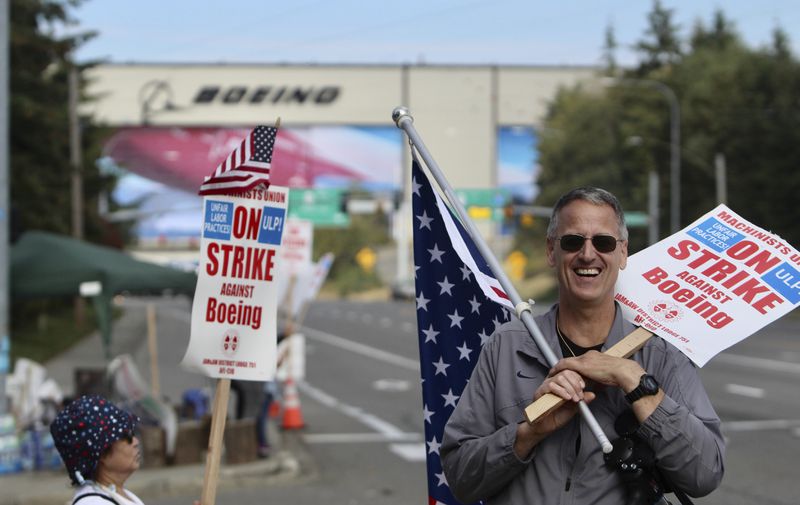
(49, 487)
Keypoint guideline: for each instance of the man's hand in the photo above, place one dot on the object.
(603, 369)
(570, 386)
(610, 371)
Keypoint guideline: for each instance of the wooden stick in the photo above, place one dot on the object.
(152, 347)
(218, 416)
(625, 348)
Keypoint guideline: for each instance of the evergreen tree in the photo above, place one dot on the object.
(609, 52)
(40, 166)
(662, 46)
(735, 101)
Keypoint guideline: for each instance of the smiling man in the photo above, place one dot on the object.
(656, 399)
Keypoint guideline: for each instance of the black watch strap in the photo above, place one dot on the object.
(648, 386)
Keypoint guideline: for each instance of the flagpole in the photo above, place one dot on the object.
(405, 122)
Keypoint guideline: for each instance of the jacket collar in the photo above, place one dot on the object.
(547, 324)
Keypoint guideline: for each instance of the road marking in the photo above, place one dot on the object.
(391, 385)
(385, 322)
(410, 452)
(764, 424)
(409, 327)
(763, 363)
(372, 352)
(748, 391)
(350, 438)
(384, 428)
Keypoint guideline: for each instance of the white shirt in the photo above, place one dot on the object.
(108, 491)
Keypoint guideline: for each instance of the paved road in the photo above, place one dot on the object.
(361, 402)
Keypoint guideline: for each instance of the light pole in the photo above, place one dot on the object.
(674, 136)
(653, 215)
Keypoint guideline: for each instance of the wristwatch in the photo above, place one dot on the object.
(648, 386)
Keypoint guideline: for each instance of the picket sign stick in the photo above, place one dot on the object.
(152, 348)
(625, 348)
(404, 121)
(218, 415)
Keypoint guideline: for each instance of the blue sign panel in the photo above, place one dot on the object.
(715, 234)
(271, 226)
(218, 220)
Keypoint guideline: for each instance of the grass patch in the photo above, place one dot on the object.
(46, 328)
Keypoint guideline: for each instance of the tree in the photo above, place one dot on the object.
(720, 36)
(39, 127)
(662, 46)
(735, 101)
(39, 157)
(609, 52)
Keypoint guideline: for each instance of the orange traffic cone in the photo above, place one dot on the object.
(292, 415)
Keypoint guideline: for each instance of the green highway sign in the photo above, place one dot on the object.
(484, 204)
(637, 219)
(323, 206)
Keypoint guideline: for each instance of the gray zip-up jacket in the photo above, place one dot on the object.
(567, 467)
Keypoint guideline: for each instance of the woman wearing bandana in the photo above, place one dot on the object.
(97, 444)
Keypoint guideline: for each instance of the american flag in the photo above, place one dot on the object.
(246, 167)
(459, 305)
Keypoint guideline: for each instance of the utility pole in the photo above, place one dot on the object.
(674, 140)
(76, 179)
(653, 230)
(5, 214)
(76, 155)
(722, 178)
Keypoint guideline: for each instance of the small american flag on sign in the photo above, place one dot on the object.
(459, 305)
(246, 167)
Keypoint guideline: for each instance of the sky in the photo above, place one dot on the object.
(525, 32)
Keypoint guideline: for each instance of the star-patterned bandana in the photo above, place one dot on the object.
(85, 429)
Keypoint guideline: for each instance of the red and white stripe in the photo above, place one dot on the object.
(238, 172)
(490, 286)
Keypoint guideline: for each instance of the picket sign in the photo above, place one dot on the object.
(703, 289)
(234, 312)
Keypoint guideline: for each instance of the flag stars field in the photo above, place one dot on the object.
(433, 446)
(446, 286)
(430, 334)
(427, 413)
(441, 367)
(422, 302)
(459, 310)
(475, 304)
(415, 186)
(450, 399)
(436, 254)
(464, 351)
(424, 221)
(455, 319)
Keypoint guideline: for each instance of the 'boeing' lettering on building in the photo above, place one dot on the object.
(323, 95)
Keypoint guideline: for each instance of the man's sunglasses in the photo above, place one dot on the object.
(602, 243)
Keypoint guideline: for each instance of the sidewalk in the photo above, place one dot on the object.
(52, 488)
(49, 487)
